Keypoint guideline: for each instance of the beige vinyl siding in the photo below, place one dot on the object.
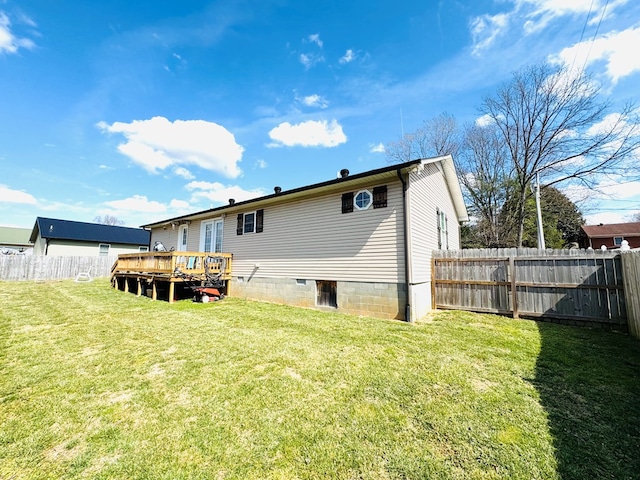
(168, 237)
(311, 238)
(428, 192)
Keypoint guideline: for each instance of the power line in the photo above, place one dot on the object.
(595, 34)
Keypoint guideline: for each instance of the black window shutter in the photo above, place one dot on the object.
(439, 229)
(240, 227)
(347, 202)
(259, 220)
(380, 197)
(446, 225)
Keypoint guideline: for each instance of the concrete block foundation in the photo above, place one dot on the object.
(382, 300)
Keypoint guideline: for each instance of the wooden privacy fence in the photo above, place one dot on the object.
(45, 267)
(631, 274)
(576, 286)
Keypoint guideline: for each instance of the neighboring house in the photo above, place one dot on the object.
(611, 235)
(67, 238)
(15, 240)
(360, 244)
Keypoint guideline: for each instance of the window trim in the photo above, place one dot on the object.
(369, 202)
(203, 234)
(143, 249)
(244, 222)
(100, 245)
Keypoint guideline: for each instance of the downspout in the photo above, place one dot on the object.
(46, 246)
(405, 223)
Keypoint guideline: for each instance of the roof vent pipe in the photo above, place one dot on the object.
(277, 190)
(232, 201)
(344, 173)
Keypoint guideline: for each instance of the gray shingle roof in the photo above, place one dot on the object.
(88, 232)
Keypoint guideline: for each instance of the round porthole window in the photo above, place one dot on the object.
(362, 200)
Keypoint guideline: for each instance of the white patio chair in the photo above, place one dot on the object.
(84, 276)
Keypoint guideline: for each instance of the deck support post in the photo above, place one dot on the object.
(154, 291)
(139, 293)
(172, 288)
(126, 285)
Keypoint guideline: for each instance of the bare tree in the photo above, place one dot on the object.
(108, 220)
(438, 136)
(553, 124)
(484, 173)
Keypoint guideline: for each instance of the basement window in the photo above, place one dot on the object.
(326, 293)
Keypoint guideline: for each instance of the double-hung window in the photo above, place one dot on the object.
(251, 222)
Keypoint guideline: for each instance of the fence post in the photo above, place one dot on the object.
(514, 288)
(631, 282)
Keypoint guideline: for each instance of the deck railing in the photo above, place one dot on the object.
(166, 263)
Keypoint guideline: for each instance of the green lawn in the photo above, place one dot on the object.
(97, 383)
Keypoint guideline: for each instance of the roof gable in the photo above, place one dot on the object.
(88, 232)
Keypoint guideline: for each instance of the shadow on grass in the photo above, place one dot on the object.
(589, 385)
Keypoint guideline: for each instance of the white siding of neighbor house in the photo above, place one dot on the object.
(311, 238)
(76, 248)
(428, 192)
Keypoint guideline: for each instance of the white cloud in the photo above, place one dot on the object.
(9, 42)
(310, 59)
(348, 57)
(158, 143)
(137, 203)
(614, 48)
(179, 205)
(260, 163)
(219, 193)
(379, 148)
(484, 120)
(315, 100)
(541, 12)
(7, 195)
(315, 38)
(485, 29)
(606, 217)
(184, 173)
(308, 134)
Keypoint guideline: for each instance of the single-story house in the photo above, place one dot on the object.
(51, 236)
(611, 235)
(15, 240)
(359, 243)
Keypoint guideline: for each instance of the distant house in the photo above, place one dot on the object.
(359, 243)
(611, 235)
(15, 240)
(68, 238)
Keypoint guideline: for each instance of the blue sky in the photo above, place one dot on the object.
(147, 110)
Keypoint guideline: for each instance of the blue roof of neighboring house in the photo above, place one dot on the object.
(88, 232)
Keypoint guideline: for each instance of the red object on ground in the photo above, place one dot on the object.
(212, 292)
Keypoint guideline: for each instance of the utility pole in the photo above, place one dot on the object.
(541, 245)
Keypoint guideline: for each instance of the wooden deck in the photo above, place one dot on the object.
(151, 272)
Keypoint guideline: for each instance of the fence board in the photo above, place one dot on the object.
(631, 269)
(45, 267)
(583, 286)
